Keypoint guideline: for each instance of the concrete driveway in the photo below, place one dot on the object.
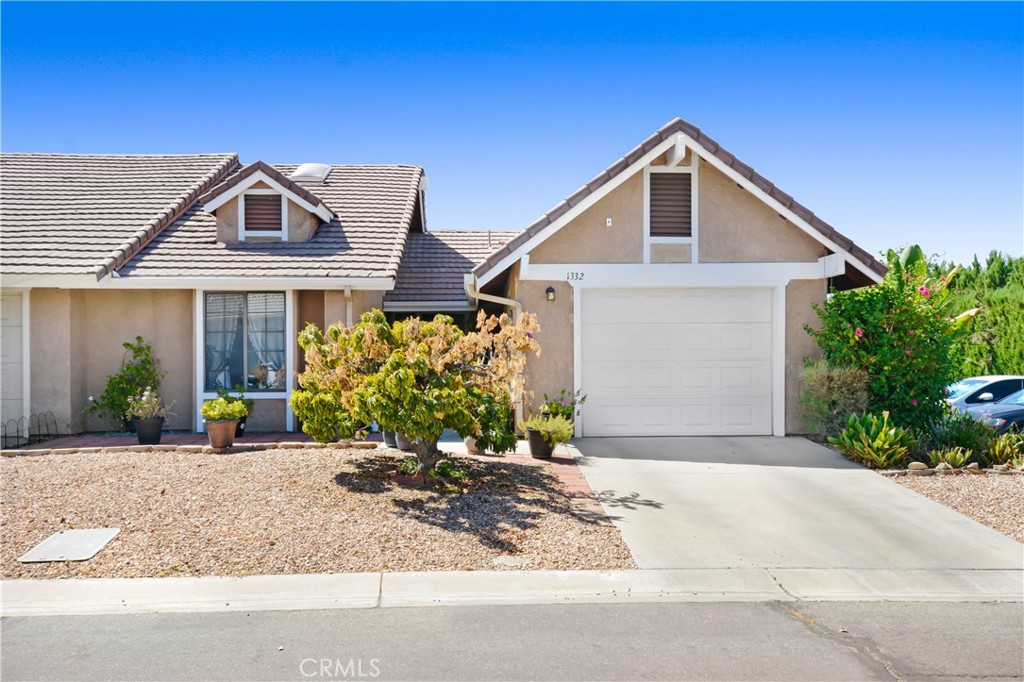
(775, 503)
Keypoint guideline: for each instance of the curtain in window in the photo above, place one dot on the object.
(224, 352)
(266, 340)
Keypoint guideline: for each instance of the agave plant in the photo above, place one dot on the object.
(954, 457)
(874, 441)
(1006, 447)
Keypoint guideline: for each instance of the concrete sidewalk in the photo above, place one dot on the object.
(388, 590)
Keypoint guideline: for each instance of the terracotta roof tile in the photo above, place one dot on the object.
(435, 263)
(665, 132)
(74, 214)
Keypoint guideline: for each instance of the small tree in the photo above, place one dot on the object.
(420, 378)
(901, 332)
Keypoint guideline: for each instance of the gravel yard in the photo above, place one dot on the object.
(290, 511)
(994, 500)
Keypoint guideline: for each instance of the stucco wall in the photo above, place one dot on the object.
(734, 226)
(800, 294)
(553, 370)
(365, 301)
(76, 345)
(227, 222)
(51, 356)
(267, 415)
(671, 253)
(301, 223)
(588, 239)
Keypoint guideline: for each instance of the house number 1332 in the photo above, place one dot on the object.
(574, 276)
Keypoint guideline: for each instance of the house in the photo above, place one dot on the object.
(672, 288)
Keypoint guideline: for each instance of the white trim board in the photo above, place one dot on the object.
(225, 283)
(706, 275)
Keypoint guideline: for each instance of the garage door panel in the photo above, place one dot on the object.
(695, 362)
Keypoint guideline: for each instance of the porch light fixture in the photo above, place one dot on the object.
(550, 293)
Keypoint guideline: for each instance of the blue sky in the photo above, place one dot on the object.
(896, 123)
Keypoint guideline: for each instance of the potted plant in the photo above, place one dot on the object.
(546, 433)
(565, 404)
(221, 417)
(147, 412)
(140, 369)
(249, 404)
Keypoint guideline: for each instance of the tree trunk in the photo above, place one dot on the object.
(428, 454)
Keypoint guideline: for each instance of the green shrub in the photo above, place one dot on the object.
(874, 441)
(901, 332)
(956, 429)
(555, 430)
(140, 370)
(323, 416)
(830, 395)
(221, 410)
(954, 457)
(565, 404)
(1005, 448)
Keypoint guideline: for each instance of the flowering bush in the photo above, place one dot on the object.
(147, 405)
(901, 332)
(140, 369)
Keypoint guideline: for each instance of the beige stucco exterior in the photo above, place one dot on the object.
(302, 224)
(733, 226)
(588, 239)
(671, 253)
(76, 344)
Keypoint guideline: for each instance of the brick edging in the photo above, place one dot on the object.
(204, 449)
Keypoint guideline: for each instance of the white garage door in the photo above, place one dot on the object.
(677, 362)
(11, 378)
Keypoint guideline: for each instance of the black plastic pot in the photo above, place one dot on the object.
(539, 448)
(403, 442)
(149, 430)
(240, 429)
(389, 439)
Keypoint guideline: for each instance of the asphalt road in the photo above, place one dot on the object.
(678, 641)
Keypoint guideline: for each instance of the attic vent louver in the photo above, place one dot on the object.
(311, 172)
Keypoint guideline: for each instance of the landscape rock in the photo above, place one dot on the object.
(921, 472)
(917, 466)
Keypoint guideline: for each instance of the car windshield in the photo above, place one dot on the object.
(1013, 399)
(958, 389)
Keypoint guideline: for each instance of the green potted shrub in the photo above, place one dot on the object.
(544, 434)
(147, 412)
(140, 369)
(249, 404)
(221, 417)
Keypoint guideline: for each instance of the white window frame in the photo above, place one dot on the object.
(281, 234)
(291, 344)
(692, 240)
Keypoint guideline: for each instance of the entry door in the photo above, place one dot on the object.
(677, 362)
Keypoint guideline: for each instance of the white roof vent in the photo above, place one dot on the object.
(311, 172)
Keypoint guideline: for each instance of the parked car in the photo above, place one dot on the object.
(1004, 415)
(985, 390)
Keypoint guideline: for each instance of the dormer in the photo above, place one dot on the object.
(262, 204)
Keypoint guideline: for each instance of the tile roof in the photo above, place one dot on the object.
(373, 207)
(435, 263)
(671, 128)
(74, 214)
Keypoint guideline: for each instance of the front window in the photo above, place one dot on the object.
(245, 341)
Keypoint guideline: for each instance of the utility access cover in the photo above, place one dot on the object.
(70, 545)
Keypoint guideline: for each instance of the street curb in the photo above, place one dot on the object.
(94, 596)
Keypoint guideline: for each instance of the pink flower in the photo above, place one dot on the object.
(911, 332)
(859, 332)
(914, 402)
(908, 351)
(924, 291)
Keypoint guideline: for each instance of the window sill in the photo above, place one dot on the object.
(671, 240)
(255, 395)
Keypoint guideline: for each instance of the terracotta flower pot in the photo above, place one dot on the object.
(221, 433)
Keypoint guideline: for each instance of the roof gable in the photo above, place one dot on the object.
(263, 172)
(668, 136)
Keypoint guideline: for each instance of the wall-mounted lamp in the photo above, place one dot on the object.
(550, 293)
